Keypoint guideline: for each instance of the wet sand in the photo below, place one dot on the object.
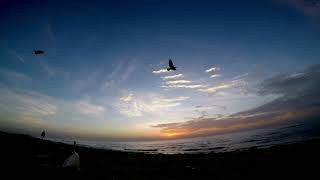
(29, 157)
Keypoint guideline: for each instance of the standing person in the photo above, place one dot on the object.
(43, 134)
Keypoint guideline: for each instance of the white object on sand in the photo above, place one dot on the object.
(73, 161)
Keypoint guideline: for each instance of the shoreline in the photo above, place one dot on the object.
(36, 158)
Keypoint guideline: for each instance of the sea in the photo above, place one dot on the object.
(259, 138)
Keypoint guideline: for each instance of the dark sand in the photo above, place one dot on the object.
(29, 157)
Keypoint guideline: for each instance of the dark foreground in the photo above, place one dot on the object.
(28, 157)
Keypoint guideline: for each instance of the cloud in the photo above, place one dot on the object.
(194, 86)
(180, 98)
(130, 68)
(25, 103)
(177, 82)
(228, 85)
(241, 76)
(14, 76)
(16, 55)
(210, 107)
(49, 32)
(215, 75)
(293, 84)
(121, 73)
(213, 70)
(160, 71)
(87, 108)
(172, 77)
(298, 100)
(127, 98)
(309, 8)
(204, 126)
(135, 106)
(47, 68)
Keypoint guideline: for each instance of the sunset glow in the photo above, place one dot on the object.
(104, 71)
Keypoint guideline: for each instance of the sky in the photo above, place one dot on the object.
(241, 65)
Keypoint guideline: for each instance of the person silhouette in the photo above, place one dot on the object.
(43, 134)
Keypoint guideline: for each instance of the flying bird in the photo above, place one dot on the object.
(38, 52)
(171, 66)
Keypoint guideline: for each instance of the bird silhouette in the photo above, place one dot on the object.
(38, 52)
(171, 66)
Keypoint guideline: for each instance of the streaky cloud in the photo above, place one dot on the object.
(241, 76)
(16, 55)
(299, 100)
(172, 77)
(26, 103)
(160, 71)
(178, 82)
(215, 89)
(214, 72)
(213, 69)
(136, 106)
(87, 108)
(195, 86)
(180, 98)
(215, 75)
(14, 75)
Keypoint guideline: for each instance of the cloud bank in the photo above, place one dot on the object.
(299, 99)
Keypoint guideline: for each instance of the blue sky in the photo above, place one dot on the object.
(101, 77)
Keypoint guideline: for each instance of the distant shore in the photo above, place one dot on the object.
(34, 158)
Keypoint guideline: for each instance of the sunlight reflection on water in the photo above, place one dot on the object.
(261, 138)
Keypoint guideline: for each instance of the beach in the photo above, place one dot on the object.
(30, 157)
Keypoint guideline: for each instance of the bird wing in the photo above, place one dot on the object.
(171, 64)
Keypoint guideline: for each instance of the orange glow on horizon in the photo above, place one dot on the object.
(171, 134)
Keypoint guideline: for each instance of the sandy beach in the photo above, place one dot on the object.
(30, 157)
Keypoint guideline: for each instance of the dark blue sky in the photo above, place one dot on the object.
(102, 59)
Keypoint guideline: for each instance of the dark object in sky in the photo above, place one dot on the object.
(38, 52)
(171, 66)
(43, 134)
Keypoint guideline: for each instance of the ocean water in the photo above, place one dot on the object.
(260, 138)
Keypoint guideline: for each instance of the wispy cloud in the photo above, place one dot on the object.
(26, 103)
(204, 126)
(121, 73)
(215, 75)
(130, 68)
(50, 34)
(160, 71)
(14, 75)
(47, 68)
(214, 72)
(210, 107)
(193, 86)
(87, 108)
(213, 69)
(299, 101)
(172, 77)
(215, 89)
(14, 54)
(241, 76)
(127, 98)
(180, 98)
(135, 106)
(177, 82)
(309, 8)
